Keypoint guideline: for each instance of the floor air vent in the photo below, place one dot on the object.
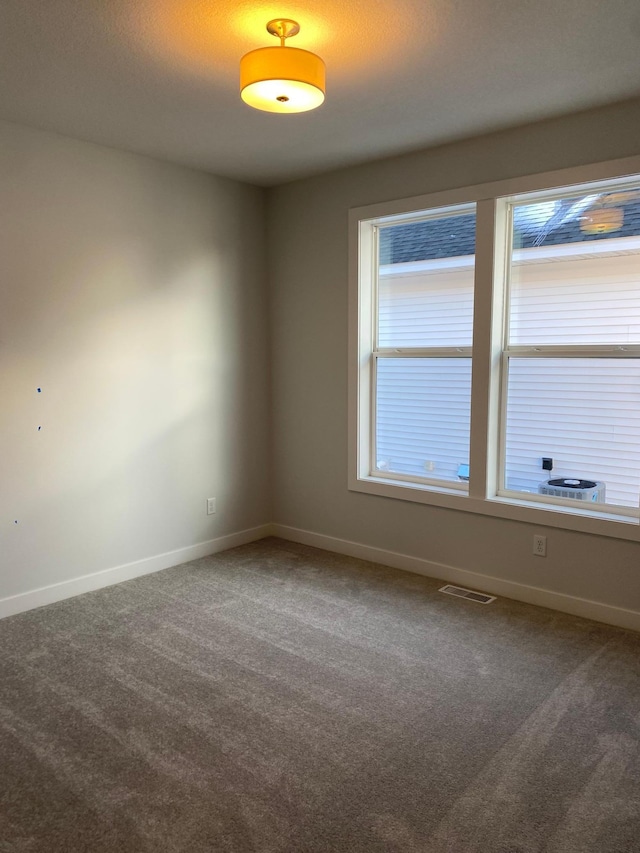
(480, 597)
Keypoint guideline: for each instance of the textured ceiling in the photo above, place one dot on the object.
(160, 77)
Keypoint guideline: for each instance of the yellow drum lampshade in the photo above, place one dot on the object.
(602, 220)
(282, 79)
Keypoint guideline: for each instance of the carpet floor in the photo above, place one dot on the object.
(280, 699)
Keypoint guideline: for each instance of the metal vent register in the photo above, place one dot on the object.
(471, 595)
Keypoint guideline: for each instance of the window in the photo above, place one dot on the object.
(495, 346)
(421, 353)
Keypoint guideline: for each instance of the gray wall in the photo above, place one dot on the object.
(133, 293)
(308, 276)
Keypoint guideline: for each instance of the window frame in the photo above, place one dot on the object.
(488, 398)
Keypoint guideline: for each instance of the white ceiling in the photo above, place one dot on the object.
(160, 77)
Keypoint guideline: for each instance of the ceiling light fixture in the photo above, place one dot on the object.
(602, 220)
(607, 213)
(282, 79)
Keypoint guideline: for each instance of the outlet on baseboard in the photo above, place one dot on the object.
(540, 545)
(211, 506)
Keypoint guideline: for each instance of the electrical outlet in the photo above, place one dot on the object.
(540, 545)
(211, 506)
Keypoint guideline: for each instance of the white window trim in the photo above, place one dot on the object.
(486, 394)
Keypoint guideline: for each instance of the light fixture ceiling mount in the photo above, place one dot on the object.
(283, 28)
(282, 79)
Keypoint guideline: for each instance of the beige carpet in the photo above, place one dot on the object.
(280, 699)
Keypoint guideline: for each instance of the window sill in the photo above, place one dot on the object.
(564, 517)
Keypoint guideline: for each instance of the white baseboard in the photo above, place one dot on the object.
(485, 583)
(496, 586)
(86, 583)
